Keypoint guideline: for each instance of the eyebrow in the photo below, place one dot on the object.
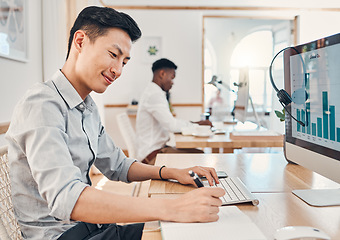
(120, 50)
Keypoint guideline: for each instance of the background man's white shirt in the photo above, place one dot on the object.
(154, 121)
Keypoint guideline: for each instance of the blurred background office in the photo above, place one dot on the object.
(204, 38)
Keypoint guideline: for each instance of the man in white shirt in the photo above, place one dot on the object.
(154, 118)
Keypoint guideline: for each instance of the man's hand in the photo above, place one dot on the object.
(182, 175)
(199, 205)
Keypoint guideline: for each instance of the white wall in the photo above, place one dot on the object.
(54, 35)
(180, 33)
(16, 77)
(315, 25)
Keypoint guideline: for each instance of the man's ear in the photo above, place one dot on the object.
(162, 73)
(78, 40)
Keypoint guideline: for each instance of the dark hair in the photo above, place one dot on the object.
(163, 63)
(95, 21)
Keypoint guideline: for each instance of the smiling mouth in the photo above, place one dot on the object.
(108, 80)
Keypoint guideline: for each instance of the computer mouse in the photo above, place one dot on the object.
(300, 232)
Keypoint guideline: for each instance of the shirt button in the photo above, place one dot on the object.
(81, 106)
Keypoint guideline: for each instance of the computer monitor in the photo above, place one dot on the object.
(312, 78)
(241, 103)
(240, 110)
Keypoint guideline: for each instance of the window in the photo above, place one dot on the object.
(209, 69)
(254, 51)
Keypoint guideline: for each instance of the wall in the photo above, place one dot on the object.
(16, 77)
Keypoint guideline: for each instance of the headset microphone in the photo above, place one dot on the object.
(284, 98)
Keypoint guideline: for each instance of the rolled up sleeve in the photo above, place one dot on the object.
(111, 160)
(43, 141)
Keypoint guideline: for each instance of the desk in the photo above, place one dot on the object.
(217, 141)
(271, 179)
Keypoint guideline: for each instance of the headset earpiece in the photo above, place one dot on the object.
(284, 97)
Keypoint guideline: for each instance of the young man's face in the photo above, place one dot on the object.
(101, 62)
(168, 77)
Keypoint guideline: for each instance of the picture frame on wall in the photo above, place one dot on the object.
(152, 49)
(13, 31)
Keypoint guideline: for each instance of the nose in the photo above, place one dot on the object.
(116, 70)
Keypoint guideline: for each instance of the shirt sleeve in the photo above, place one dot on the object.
(158, 106)
(111, 160)
(39, 132)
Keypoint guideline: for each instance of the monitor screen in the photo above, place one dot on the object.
(241, 104)
(312, 78)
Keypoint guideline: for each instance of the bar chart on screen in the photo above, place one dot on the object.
(316, 100)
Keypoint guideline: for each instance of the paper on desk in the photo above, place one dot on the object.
(232, 224)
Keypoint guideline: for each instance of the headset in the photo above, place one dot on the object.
(284, 98)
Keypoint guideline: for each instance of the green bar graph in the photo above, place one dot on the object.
(298, 118)
(332, 123)
(319, 125)
(324, 126)
(303, 119)
(314, 129)
(325, 114)
(308, 124)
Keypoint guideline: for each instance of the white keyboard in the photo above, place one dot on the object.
(236, 191)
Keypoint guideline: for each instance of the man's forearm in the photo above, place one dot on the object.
(140, 172)
(96, 206)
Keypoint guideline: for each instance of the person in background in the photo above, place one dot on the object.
(216, 100)
(56, 135)
(154, 118)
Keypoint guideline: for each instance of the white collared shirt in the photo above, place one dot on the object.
(154, 121)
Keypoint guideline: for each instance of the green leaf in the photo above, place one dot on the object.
(280, 115)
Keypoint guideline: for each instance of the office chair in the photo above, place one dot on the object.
(128, 133)
(129, 137)
(9, 227)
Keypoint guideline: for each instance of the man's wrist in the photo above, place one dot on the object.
(166, 173)
(160, 173)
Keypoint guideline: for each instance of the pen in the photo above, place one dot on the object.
(196, 178)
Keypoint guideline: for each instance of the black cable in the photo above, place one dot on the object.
(301, 123)
(284, 98)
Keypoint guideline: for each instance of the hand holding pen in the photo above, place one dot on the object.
(196, 178)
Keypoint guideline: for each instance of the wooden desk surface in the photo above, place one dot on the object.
(224, 141)
(277, 210)
(271, 179)
(260, 172)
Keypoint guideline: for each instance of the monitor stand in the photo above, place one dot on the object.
(255, 114)
(319, 197)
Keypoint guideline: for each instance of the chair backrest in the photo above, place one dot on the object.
(9, 228)
(128, 133)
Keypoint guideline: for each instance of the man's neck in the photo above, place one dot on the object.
(70, 75)
(158, 83)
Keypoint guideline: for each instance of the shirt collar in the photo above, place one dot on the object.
(69, 93)
(156, 86)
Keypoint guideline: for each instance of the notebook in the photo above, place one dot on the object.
(232, 224)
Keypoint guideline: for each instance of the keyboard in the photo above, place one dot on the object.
(236, 192)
